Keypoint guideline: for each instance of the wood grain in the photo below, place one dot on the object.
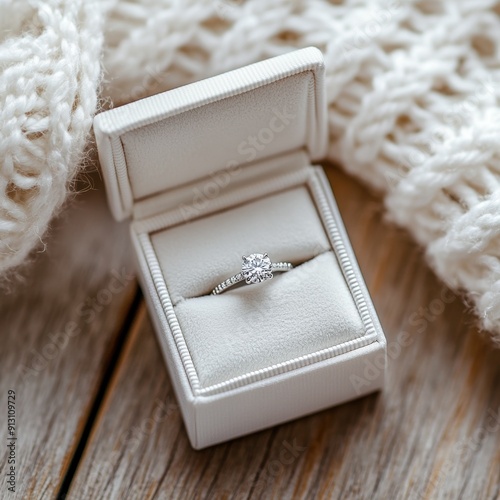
(58, 332)
(433, 433)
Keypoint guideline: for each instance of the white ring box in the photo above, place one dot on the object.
(219, 169)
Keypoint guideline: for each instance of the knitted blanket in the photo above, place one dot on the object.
(413, 93)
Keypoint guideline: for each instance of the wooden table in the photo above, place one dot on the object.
(96, 417)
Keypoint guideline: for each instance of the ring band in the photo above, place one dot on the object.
(255, 268)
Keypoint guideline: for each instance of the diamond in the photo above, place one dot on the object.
(256, 268)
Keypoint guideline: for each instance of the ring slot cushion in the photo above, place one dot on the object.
(222, 168)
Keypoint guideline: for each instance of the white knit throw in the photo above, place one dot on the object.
(413, 91)
(49, 64)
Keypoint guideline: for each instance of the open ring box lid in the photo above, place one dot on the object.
(220, 168)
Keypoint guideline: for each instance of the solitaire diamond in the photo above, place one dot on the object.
(256, 268)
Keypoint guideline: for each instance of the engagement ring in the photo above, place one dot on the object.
(255, 268)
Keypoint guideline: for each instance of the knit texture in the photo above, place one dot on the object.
(49, 70)
(413, 91)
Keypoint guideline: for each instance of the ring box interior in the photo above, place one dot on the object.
(219, 169)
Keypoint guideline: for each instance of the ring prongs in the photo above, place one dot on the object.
(256, 268)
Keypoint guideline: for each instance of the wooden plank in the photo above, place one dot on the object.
(59, 329)
(433, 433)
